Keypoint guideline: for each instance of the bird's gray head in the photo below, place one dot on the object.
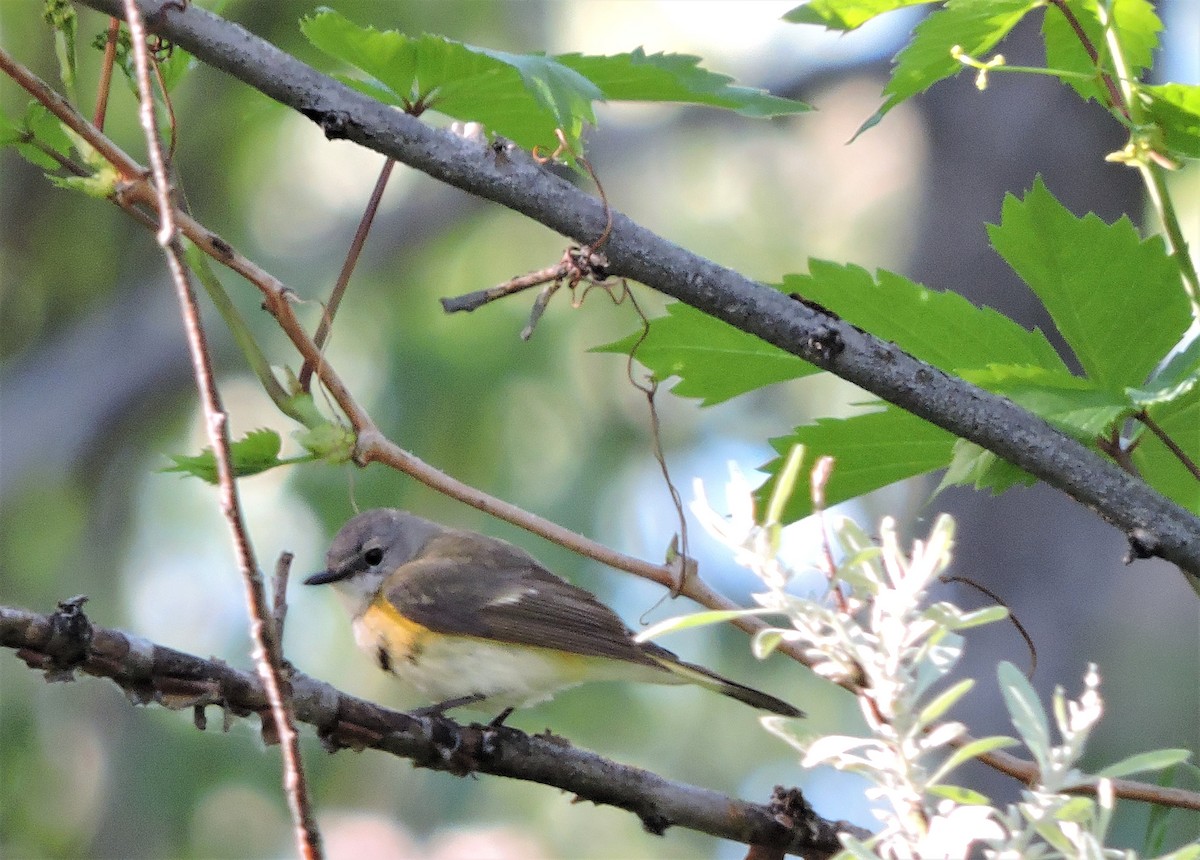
(369, 548)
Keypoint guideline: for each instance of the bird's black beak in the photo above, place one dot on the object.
(326, 576)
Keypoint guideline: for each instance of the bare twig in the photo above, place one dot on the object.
(818, 479)
(1012, 617)
(151, 673)
(686, 564)
(106, 70)
(266, 648)
(1115, 448)
(1181, 455)
(339, 289)
(479, 298)
(1114, 92)
(279, 605)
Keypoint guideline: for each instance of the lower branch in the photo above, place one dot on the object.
(65, 641)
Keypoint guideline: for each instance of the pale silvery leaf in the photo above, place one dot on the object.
(955, 828)
(942, 735)
(1025, 712)
(832, 748)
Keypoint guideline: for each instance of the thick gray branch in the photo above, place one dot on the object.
(1154, 524)
(61, 643)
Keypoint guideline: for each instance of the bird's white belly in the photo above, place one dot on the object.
(506, 675)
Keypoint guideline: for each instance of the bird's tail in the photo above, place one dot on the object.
(707, 678)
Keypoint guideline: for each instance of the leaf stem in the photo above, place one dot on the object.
(1151, 172)
(1154, 427)
(339, 289)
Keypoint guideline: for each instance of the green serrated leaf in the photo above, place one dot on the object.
(47, 128)
(713, 360)
(975, 26)
(971, 465)
(255, 452)
(36, 136)
(845, 14)
(1137, 30)
(1175, 109)
(561, 90)
(523, 97)
(1142, 762)
(1163, 392)
(638, 76)
(942, 328)
(1076, 406)
(1026, 712)
(871, 451)
(1099, 282)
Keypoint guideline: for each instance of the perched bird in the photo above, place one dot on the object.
(469, 619)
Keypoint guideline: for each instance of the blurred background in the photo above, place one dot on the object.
(96, 391)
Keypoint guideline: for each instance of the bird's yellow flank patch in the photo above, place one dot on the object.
(383, 627)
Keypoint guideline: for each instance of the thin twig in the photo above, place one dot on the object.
(473, 301)
(822, 471)
(1012, 616)
(172, 124)
(266, 650)
(1180, 454)
(1114, 92)
(279, 605)
(686, 564)
(1113, 447)
(106, 70)
(339, 289)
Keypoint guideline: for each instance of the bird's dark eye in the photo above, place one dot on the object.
(373, 556)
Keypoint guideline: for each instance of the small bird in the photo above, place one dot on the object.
(469, 619)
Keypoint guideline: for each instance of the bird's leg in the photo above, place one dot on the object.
(439, 710)
(499, 719)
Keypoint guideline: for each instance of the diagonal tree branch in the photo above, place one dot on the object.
(1154, 524)
(65, 641)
